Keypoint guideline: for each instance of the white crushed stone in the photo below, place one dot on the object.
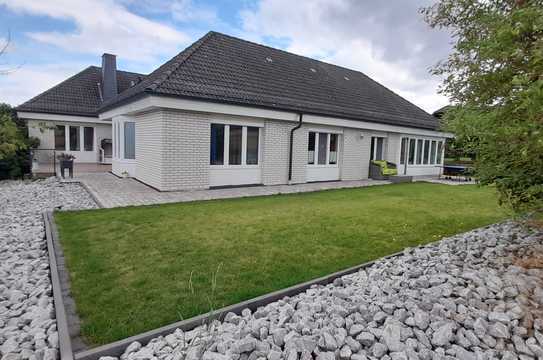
(28, 328)
(462, 298)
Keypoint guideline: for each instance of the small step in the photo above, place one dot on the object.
(400, 179)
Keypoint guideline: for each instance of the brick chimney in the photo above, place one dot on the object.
(109, 76)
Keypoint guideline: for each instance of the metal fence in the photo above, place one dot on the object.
(44, 162)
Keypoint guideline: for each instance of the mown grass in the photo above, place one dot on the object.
(138, 268)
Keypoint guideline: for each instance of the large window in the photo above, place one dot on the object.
(403, 150)
(426, 151)
(412, 146)
(74, 138)
(217, 144)
(419, 151)
(322, 148)
(60, 137)
(439, 152)
(252, 145)
(333, 149)
(88, 138)
(129, 140)
(234, 145)
(433, 152)
(323, 137)
(311, 148)
(377, 148)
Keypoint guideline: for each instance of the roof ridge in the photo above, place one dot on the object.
(184, 56)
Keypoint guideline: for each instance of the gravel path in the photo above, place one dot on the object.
(27, 317)
(472, 296)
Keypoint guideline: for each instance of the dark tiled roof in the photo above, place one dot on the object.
(222, 68)
(77, 95)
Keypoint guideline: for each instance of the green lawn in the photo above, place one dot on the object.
(138, 268)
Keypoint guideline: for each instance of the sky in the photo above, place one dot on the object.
(51, 40)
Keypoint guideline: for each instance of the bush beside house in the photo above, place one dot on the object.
(15, 145)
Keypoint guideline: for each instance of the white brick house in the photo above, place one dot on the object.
(227, 112)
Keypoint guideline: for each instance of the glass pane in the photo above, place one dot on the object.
(252, 145)
(419, 151)
(372, 149)
(60, 137)
(323, 139)
(311, 148)
(235, 145)
(426, 151)
(439, 152)
(88, 138)
(74, 138)
(412, 143)
(433, 153)
(333, 149)
(129, 140)
(403, 150)
(379, 151)
(216, 146)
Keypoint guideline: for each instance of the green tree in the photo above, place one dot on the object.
(495, 77)
(14, 144)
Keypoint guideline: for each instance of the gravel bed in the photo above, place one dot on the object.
(28, 328)
(476, 295)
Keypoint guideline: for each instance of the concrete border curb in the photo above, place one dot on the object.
(64, 340)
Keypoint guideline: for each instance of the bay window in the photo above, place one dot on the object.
(322, 148)
(234, 145)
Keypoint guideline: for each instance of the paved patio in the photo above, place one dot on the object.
(110, 191)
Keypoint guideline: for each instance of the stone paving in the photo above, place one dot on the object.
(111, 191)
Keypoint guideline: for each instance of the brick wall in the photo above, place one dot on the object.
(149, 137)
(185, 150)
(275, 152)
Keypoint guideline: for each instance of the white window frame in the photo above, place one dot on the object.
(316, 152)
(432, 161)
(226, 155)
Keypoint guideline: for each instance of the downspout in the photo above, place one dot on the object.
(300, 118)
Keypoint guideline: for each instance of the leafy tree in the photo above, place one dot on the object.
(495, 77)
(14, 144)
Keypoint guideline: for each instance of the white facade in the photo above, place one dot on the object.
(81, 137)
(183, 144)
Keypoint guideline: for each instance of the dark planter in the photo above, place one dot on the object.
(67, 164)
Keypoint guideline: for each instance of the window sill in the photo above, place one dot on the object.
(219, 167)
(322, 166)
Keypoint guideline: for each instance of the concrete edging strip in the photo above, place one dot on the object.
(64, 340)
(118, 347)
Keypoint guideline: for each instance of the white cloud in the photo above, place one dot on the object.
(385, 40)
(186, 11)
(103, 26)
(30, 80)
